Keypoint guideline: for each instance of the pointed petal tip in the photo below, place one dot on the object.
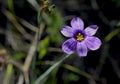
(94, 26)
(91, 30)
(77, 23)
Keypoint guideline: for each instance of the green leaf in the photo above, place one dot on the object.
(11, 5)
(19, 55)
(44, 76)
(112, 34)
(8, 74)
(74, 69)
(43, 52)
(42, 47)
(54, 23)
(73, 77)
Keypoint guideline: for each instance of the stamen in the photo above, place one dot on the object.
(79, 37)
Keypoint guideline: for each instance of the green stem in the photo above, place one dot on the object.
(8, 74)
(78, 71)
(40, 80)
(112, 34)
(39, 16)
(10, 4)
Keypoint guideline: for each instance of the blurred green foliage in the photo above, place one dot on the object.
(117, 2)
(54, 24)
(42, 47)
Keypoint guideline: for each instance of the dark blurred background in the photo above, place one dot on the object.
(16, 37)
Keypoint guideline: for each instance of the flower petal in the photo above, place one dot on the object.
(82, 49)
(67, 31)
(69, 46)
(93, 43)
(91, 30)
(77, 23)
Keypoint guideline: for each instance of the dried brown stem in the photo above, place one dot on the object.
(31, 53)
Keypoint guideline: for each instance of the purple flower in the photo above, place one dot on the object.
(80, 39)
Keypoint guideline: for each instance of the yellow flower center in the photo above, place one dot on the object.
(79, 37)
